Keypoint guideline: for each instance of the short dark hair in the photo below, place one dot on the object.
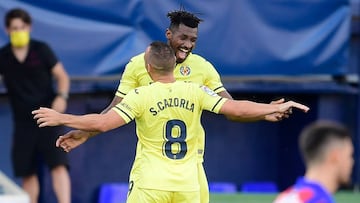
(317, 136)
(162, 56)
(17, 13)
(183, 17)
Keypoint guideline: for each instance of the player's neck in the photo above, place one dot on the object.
(164, 78)
(324, 176)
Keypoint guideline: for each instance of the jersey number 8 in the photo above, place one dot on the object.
(175, 146)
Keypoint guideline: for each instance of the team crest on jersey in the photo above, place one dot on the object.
(208, 91)
(185, 70)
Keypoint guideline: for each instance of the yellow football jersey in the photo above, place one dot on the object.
(167, 117)
(195, 69)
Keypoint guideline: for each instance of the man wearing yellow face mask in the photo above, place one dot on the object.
(28, 68)
(19, 38)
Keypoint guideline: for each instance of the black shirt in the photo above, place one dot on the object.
(29, 84)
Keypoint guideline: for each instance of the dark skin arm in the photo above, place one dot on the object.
(225, 94)
(113, 103)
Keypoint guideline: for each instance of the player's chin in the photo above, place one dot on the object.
(181, 56)
(346, 181)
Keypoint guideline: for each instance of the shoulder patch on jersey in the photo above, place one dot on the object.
(185, 70)
(208, 91)
(126, 106)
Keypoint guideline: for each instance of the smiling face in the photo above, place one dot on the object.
(182, 40)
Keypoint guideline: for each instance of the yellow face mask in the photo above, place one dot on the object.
(19, 38)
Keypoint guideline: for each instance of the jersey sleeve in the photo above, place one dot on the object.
(213, 80)
(129, 108)
(49, 56)
(209, 100)
(128, 80)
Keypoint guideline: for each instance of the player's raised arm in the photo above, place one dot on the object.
(247, 109)
(89, 122)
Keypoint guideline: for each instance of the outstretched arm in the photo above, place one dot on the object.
(89, 122)
(247, 109)
(89, 134)
(90, 125)
(270, 117)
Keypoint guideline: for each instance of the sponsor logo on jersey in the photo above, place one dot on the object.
(208, 91)
(185, 70)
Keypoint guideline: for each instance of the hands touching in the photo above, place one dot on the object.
(285, 109)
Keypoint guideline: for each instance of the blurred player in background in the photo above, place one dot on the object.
(182, 35)
(28, 68)
(327, 150)
(167, 114)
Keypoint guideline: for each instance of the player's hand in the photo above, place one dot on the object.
(72, 139)
(47, 117)
(286, 114)
(280, 101)
(286, 108)
(274, 117)
(59, 104)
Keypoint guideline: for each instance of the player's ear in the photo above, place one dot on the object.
(168, 34)
(148, 67)
(334, 155)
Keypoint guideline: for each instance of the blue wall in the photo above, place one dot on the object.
(248, 37)
(241, 38)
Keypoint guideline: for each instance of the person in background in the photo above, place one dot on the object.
(327, 151)
(28, 68)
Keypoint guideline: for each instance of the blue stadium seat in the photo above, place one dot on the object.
(113, 193)
(259, 187)
(222, 187)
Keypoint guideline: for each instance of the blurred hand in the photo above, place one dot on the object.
(280, 101)
(47, 117)
(274, 117)
(72, 139)
(286, 107)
